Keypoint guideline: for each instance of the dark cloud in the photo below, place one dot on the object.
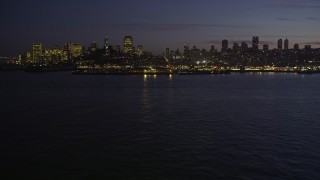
(305, 6)
(286, 19)
(313, 18)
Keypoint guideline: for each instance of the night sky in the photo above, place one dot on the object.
(157, 24)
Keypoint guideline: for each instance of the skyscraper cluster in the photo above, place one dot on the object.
(54, 55)
(282, 45)
(70, 51)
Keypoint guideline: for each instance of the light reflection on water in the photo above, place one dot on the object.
(238, 126)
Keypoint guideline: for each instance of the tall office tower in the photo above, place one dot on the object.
(28, 57)
(74, 50)
(296, 47)
(286, 44)
(265, 47)
(93, 46)
(255, 42)
(55, 55)
(212, 49)
(139, 51)
(224, 45)
(244, 46)
(280, 44)
(106, 43)
(186, 52)
(177, 53)
(128, 44)
(36, 52)
(167, 52)
(235, 47)
(172, 53)
(307, 47)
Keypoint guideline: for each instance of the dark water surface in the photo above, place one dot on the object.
(238, 126)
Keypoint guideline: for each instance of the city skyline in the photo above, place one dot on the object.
(158, 25)
(128, 46)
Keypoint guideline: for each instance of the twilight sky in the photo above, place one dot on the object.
(156, 24)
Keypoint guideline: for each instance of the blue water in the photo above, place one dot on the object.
(238, 126)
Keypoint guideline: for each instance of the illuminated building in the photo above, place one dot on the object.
(93, 46)
(255, 42)
(106, 45)
(139, 51)
(265, 47)
(28, 57)
(224, 45)
(280, 44)
(36, 52)
(286, 44)
(74, 50)
(19, 61)
(296, 47)
(128, 44)
(55, 56)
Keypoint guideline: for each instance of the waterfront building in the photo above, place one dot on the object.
(55, 56)
(28, 57)
(36, 52)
